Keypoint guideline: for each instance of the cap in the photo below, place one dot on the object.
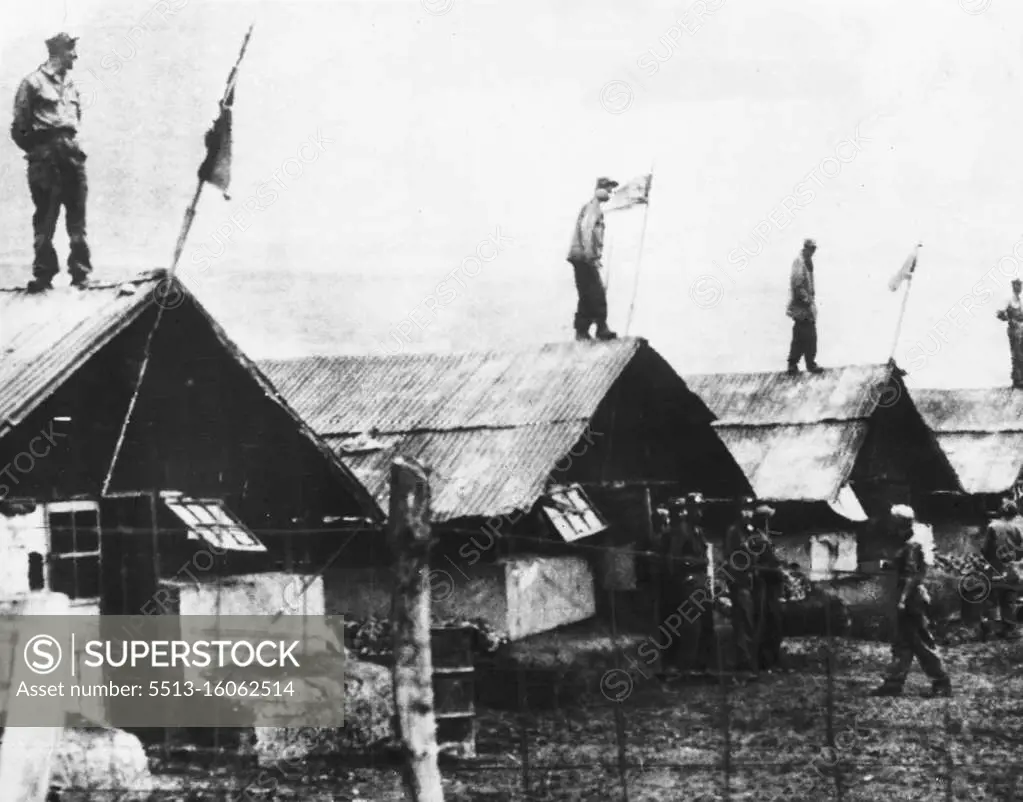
(747, 502)
(809, 243)
(764, 509)
(694, 499)
(677, 503)
(606, 183)
(903, 511)
(61, 42)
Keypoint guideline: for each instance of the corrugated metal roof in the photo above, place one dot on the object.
(990, 409)
(492, 425)
(45, 338)
(480, 472)
(807, 462)
(985, 462)
(981, 433)
(432, 392)
(796, 438)
(759, 399)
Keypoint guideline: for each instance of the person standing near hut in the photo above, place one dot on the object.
(803, 311)
(769, 589)
(913, 636)
(739, 570)
(690, 553)
(1012, 314)
(1002, 547)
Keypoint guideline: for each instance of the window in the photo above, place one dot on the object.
(571, 514)
(208, 520)
(73, 530)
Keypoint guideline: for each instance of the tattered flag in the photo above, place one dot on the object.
(216, 169)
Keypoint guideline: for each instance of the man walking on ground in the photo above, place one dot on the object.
(1002, 547)
(738, 570)
(47, 113)
(803, 311)
(913, 636)
(585, 254)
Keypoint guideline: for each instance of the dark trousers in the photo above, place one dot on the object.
(770, 627)
(804, 342)
(1001, 607)
(743, 627)
(913, 639)
(592, 297)
(56, 178)
(697, 643)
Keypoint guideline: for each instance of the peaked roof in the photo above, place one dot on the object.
(797, 437)
(45, 338)
(981, 433)
(492, 425)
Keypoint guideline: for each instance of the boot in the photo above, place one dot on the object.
(815, 368)
(604, 333)
(887, 689)
(583, 335)
(37, 285)
(940, 688)
(793, 369)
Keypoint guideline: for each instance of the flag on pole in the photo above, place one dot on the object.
(906, 271)
(216, 169)
(632, 193)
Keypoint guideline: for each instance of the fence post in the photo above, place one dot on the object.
(830, 723)
(620, 736)
(408, 531)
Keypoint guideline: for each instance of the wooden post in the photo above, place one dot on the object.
(408, 533)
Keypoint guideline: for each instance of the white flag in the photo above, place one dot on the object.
(632, 193)
(906, 271)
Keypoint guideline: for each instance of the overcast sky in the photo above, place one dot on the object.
(444, 123)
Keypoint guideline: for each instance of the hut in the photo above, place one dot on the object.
(832, 452)
(197, 485)
(981, 433)
(546, 462)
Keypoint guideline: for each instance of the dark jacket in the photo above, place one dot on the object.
(802, 295)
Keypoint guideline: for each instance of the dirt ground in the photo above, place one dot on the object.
(676, 742)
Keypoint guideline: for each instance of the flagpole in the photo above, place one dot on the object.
(902, 310)
(168, 284)
(639, 259)
(186, 225)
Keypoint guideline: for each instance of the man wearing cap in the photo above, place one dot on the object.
(1002, 547)
(47, 113)
(688, 561)
(769, 587)
(803, 311)
(1012, 314)
(913, 636)
(585, 254)
(738, 573)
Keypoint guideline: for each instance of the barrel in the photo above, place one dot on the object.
(454, 690)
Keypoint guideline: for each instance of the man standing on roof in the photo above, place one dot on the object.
(1002, 548)
(803, 311)
(47, 113)
(585, 254)
(1012, 314)
(913, 636)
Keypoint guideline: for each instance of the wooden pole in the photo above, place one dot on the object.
(408, 534)
(639, 259)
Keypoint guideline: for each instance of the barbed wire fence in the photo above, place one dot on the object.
(803, 733)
